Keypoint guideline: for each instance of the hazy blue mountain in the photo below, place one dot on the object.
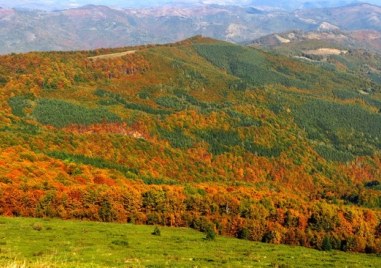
(277, 4)
(95, 26)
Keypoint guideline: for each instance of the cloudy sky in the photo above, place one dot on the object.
(58, 4)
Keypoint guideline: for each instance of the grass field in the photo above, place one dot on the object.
(56, 243)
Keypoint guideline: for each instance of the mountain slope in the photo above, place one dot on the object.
(358, 51)
(334, 38)
(200, 133)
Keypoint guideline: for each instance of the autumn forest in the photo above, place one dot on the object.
(201, 133)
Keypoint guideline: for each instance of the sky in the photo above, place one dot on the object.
(59, 4)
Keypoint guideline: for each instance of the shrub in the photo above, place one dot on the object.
(37, 226)
(210, 234)
(326, 246)
(244, 233)
(3, 80)
(123, 243)
(156, 231)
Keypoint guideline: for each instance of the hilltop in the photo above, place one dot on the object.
(200, 133)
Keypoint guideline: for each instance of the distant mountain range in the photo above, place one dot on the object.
(93, 26)
(267, 4)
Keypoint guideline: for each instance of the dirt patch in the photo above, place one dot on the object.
(282, 40)
(109, 128)
(325, 51)
(113, 55)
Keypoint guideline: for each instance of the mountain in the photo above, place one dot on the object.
(199, 133)
(99, 26)
(352, 17)
(269, 4)
(327, 35)
(93, 26)
(358, 51)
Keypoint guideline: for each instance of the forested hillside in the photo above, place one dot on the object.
(201, 133)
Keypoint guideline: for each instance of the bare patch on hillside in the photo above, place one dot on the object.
(325, 51)
(113, 55)
(282, 40)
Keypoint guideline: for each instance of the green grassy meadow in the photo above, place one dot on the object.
(56, 243)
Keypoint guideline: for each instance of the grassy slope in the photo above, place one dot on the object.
(90, 244)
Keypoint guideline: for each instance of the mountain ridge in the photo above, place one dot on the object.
(268, 5)
(364, 39)
(107, 27)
